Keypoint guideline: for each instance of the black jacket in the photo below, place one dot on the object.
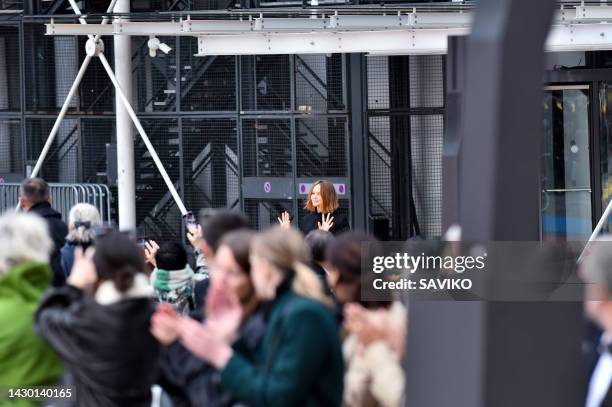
(193, 382)
(108, 350)
(57, 232)
(312, 219)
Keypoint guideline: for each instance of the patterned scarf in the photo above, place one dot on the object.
(174, 287)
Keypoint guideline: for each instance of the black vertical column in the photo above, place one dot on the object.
(358, 139)
(399, 98)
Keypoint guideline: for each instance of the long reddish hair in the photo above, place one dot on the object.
(328, 195)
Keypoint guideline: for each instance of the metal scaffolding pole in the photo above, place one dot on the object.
(126, 176)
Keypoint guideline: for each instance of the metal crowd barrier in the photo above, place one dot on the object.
(64, 197)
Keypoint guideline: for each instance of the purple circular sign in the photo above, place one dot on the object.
(267, 187)
(303, 188)
(341, 189)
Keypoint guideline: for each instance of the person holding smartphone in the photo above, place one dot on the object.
(322, 205)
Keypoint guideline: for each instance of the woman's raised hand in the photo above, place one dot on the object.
(284, 220)
(150, 249)
(194, 235)
(328, 222)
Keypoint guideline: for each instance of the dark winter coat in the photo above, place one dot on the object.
(192, 382)
(299, 362)
(108, 349)
(311, 221)
(57, 231)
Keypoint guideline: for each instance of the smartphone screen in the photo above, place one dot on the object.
(190, 221)
(142, 242)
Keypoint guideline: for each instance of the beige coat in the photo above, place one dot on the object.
(374, 375)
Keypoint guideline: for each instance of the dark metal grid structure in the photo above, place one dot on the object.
(426, 147)
(264, 213)
(208, 83)
(205, 116)
(319, 83)
(321, 147)
(11, 153)
(405, 136)
(10, 92)
(266, 82)
(155, 78)
(426, 78)
(155, 208)
(50, 66)
(61, 164)
(380, 170)
(211, 164)
(267, 148)
(95, 135)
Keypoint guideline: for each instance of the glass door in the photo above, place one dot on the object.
(566, 207)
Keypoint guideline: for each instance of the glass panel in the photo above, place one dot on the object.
(605, 100)
(566, 195)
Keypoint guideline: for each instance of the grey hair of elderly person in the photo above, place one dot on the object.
(82, 222)
(23, 238)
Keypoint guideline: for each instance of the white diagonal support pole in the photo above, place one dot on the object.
(60, 117)
(597, 230)
(143, 135)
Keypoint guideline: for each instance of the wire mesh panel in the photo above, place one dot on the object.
(406, 118)
(11, 155)
(157, 215)
(155, 77)
(10, 90)
(427, 143)
(378, 82)
(211, 164)
(266, 82)
(426, 81)
(321, 147)
(61, 163)
(380, 170)
(207, 83)
(319, 83)
(95, 135)
(11, 5)
(266, 147)
(96, 92)
(49, 69)
(264, 213)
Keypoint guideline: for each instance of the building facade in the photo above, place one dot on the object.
(252, 132)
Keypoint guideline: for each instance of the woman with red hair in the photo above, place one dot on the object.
(322, 206)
